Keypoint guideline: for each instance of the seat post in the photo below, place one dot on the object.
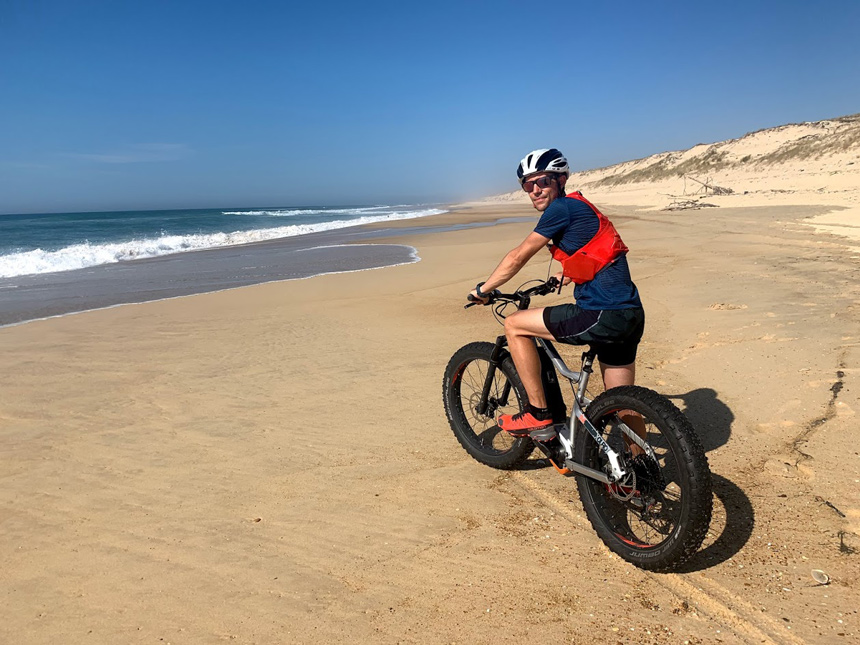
(588, 361)
(587, 369)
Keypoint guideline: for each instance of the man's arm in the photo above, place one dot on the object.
(513, 262)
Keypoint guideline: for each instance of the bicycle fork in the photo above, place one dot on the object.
(487, 406)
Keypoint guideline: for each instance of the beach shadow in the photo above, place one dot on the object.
(488, 438)
(535, 462)
(734, 517)
(735, 527)
(711, 418)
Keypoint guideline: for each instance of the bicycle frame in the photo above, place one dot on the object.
(577, 421)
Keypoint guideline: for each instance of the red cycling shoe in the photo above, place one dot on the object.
(521, 424)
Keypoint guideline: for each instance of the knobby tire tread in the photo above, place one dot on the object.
(482, 351)
(692, 455)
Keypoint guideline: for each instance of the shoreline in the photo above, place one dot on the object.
(412, 251)
(834, 219)
(152, 279)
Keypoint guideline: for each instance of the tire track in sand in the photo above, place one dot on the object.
(711, 598)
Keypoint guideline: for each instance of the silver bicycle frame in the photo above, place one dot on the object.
(566, 432)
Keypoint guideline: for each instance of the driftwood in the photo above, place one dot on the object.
(690, 200)
(706, 186)
(682, 204)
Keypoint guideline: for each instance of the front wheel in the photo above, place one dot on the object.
(658, 515)
(476, 429)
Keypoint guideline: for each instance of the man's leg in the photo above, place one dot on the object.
(522, 328)
(616, 376)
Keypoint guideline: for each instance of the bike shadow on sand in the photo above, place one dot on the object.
(536, 462)
(734, 517)
(711, 418)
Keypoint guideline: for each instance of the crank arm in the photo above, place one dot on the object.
(588, 472)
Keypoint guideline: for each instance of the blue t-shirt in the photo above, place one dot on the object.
(570, 224)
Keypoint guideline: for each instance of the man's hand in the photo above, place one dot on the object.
(562, 278)
(474, 297)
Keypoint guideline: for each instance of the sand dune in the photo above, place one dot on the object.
(803, 163)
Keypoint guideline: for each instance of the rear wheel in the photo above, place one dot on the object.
(657, 517)
(478, 432)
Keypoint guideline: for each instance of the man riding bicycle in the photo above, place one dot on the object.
(607, 315)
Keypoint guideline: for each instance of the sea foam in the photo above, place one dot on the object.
(80, 256)
(292, 212)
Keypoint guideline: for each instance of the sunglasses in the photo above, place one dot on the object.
(540, 182)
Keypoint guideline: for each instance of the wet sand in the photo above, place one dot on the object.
(33, 297)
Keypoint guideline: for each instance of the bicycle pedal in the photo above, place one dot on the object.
(543, 434)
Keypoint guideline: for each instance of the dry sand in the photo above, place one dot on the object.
(273, 465)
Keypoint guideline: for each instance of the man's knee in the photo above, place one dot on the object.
(526, 323)
(512, 326)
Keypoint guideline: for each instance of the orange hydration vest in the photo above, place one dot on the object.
(598, 253)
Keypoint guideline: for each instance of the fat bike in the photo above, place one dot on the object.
(647, 493)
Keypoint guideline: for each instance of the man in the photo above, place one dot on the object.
(608, 313)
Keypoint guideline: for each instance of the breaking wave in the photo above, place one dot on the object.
(80, 256)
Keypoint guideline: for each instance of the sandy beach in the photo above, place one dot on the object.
(272, 464)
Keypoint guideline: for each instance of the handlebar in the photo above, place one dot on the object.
(519, 297)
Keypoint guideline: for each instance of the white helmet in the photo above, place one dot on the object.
(542, 161)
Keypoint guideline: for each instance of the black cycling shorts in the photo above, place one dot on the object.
(613, 333)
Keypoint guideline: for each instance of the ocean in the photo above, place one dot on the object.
(62, 263)
(47, 243)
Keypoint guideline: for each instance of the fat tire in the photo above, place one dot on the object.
(692, 465)
(480, 445)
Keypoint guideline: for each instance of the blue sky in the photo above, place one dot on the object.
(127, 105)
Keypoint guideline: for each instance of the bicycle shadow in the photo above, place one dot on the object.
(738, 522)
(734, 518)
(711, 418)
(489, 439)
